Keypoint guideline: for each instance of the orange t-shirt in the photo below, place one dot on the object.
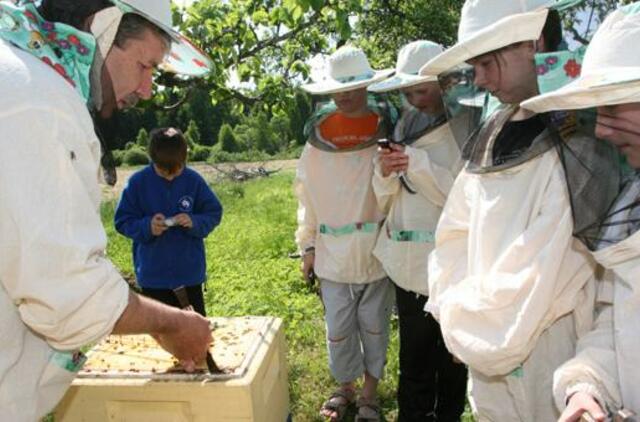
(347, 132)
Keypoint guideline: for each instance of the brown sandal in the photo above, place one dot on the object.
(368, 410)
(338, 402)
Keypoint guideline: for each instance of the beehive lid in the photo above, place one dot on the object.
(235, 342)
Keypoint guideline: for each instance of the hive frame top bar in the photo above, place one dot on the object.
(240, 372)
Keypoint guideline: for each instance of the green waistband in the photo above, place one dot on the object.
(349, 229)
(421, 236)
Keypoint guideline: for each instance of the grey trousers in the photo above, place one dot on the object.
(357, 321)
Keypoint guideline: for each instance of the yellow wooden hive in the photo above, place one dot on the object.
(131, 379)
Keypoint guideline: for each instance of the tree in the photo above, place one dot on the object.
(226, 139)
(192, 134)
(266, 45)
(299, 113)
(386, 25)
(582, 21)
(143, 138)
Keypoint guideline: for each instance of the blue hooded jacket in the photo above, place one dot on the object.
(177, 256)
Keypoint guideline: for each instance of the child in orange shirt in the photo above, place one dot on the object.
(338, 224)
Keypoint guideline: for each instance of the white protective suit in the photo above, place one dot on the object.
(408, 234)
(607, 364)
(337, 212)
(510, 286)
(58, 292)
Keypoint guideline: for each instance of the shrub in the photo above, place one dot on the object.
(219, 156)
(226, 139)
(199, 153)
(192, 135)
(143, 138)
(135, 156)
(118, 156)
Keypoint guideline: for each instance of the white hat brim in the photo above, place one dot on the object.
(184, 57)
(399, 81)
(509, 30)
(332, 86)
(608, 87)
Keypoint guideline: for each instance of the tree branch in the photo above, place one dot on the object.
(261, 45)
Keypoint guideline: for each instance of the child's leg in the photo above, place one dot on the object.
(165, 296)
(374, 311)
(196, 298)
(417, 387)
(452, 379)
(343, 343)
(168, 297)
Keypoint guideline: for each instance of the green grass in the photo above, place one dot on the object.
(249, 273)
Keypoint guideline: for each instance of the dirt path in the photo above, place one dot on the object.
(206, 170)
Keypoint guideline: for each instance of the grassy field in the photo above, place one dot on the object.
(249, 273)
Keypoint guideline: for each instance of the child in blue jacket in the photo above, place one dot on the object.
(167, 209)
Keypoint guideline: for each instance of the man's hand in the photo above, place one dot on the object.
(580, 403)
(157, 225)
(183, 220)
(188, 340)
(307, 264)
(184, 334)
(393, 160)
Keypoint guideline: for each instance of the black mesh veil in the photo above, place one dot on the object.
(604, 198)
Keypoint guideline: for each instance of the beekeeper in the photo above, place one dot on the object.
(58, 291)
(510, 286)
(411, 181)
(338, 224)
(604, 378)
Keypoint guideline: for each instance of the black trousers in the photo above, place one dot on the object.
(432, 387)
(196, 297)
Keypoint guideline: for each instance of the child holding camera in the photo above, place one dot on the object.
(167, 209)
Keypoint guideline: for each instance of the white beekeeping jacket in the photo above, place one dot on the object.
(408, 234)
(607, 364)
(338, 214)
(506, 265)
(58, 292)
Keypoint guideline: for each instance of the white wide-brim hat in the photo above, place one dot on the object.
(489, 25)
(410, 59)
(347, 69)
(184, 57)
(610, 70)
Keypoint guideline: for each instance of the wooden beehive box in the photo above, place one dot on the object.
(130, 378)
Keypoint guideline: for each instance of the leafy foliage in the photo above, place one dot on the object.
(192, 134)
(298, 116)
(199, 153)
(386, 25)
(135, 156)
(582, 21)
(226, 139)
(142, 139)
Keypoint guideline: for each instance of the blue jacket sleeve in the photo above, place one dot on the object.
(129, 218)
(207, 212)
